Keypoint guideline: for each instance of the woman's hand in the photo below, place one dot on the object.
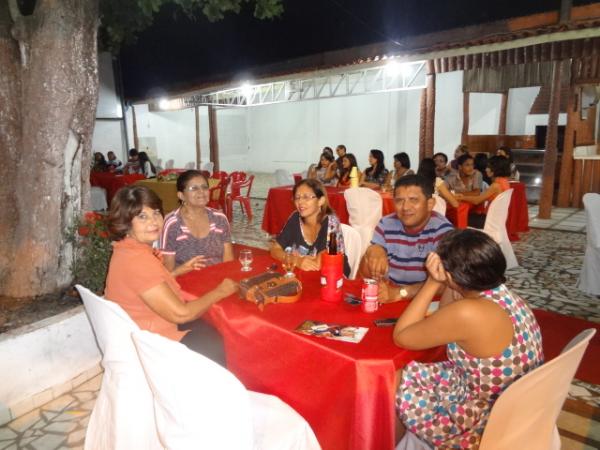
(458, 196)
(309, 263)
(227, 287)
(195, 263)
(436, 268)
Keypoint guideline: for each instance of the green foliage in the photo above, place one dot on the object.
(92, 249)
(123, 20)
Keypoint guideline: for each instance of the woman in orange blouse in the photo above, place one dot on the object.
(348, 162)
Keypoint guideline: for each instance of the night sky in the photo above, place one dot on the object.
(177, 52)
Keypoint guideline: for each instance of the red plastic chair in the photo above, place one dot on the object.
(219, 174)
(237, 195)
(217, 195)
(237, 176)
(206, 174)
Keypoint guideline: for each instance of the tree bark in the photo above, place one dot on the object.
(430, 120)
(214, 137)
(422, 123)
(464, 136)
(48, 92)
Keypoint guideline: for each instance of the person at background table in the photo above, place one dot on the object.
(100, 164)
(375, 175)
(133, 163)
(498, 169)
(326, 171)
(492, 339)
(138, 281)
(348, 162)
(466, 180)
(427, 169)
(402, 240)
(315, 170)
(506, 152)
(146, 166)
(442, 169)
(401, 168)
(341, 151)
(307, 230)
(458, 152)
(481, 162)
(113, 162)
(194, 236)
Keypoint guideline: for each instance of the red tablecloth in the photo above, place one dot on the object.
(113, 182)
(345, 391)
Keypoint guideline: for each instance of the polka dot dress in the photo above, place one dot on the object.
(447, 404)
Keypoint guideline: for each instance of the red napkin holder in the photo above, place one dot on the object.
(332, 277)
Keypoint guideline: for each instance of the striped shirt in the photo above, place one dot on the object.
(407, 252)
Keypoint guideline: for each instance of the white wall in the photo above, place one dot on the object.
(520, 101)
(448, 112)
(541, 119)
(484, 113)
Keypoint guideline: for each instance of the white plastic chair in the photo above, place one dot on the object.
(353, 246)
(495, 226)
(170, 164)
(525, 414)
(98, 198)
(123, 416)
(589, 278)
(190, 165)
(209, 166)
(440, 204)
(201, 405)
(283, 178)
(364, 209)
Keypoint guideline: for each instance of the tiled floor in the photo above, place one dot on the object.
(550, 262)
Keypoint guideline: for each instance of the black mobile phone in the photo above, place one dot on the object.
(385, 322)
(352, 299)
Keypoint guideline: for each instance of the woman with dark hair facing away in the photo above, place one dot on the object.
(139, 282)
(348, 162)
(427, 170)
(194, 236)
(374, 176)
(506, 152)
(480, 162)
(307, 231)
(146, 166)
(492, 339)
(401, 168)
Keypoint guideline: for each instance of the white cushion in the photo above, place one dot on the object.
(364, 210)
(589, 281)
(353, 246)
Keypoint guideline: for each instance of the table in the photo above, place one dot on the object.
(279, 206)
(167, 191)
(345, 391)
(112, 182)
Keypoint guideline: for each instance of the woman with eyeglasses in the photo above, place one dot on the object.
(308, 230)
(194, 236)
(138, 281)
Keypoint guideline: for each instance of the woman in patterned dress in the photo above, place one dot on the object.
(491, 335)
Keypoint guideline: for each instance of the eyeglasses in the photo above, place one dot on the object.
(305, 197)
(194, 188)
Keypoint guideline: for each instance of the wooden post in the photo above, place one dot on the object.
(464, 137)
(577, 175)
(136, 141)
(198, 152)
(430, 116)
(422, 114)
(550, 155)
(503, 108)
(565, 183)
(214, 137)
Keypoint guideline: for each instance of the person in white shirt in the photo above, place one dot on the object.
(146, 166)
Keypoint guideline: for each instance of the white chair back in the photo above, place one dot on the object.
(209, 166)
(283, 178)
(199, 404)
(589, 280)
(524, 416)
(170, 164)
(123, 416)
(495, 226)
(190, 165)
(440, 205)
(364, 209)
(353, 246)
(98, 198)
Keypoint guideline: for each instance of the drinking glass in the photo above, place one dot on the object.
(289, 263)
(246, 260)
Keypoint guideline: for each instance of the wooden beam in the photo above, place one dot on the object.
(503, 108)
(464, 137)
(430, 117)
(596, 177)
(198, 150)
(577, 174)
(422, 120)
(214, 137)
(588, 167)
(551, 153)
(136, 141)
(565, 183)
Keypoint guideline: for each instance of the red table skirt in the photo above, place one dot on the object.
(113, 182)
(344, 390)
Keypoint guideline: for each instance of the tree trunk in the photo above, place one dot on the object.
(49, 81)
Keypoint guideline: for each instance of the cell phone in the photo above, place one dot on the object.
(352, 299)
(385, 322)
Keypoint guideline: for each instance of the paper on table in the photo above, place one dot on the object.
(336, 332)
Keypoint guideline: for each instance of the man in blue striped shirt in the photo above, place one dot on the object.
(402, 241)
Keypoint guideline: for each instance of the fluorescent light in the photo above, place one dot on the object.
(246, 90)
(392, 68)
(538, 180)
(163, 103)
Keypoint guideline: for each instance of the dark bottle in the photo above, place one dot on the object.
(332, 250)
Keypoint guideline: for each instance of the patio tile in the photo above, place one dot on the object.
(48, 442)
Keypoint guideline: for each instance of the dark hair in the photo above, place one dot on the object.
(379, 165)
(463, 158)
(144, 159)
(508, 152)
(133, 152)
(443, 155)
(184, 178)
(481, 162)
(415, 180)
(474, 259)
(100, 165)
(327, 150)
(463, 148)
(353, 163)
(127, 203)
(317, 187)
(341, 146)
(427, 169)
(327, 156)
(499, 165)
(403, 159)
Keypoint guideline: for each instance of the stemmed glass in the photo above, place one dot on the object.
(246, 260)
(289, 263)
